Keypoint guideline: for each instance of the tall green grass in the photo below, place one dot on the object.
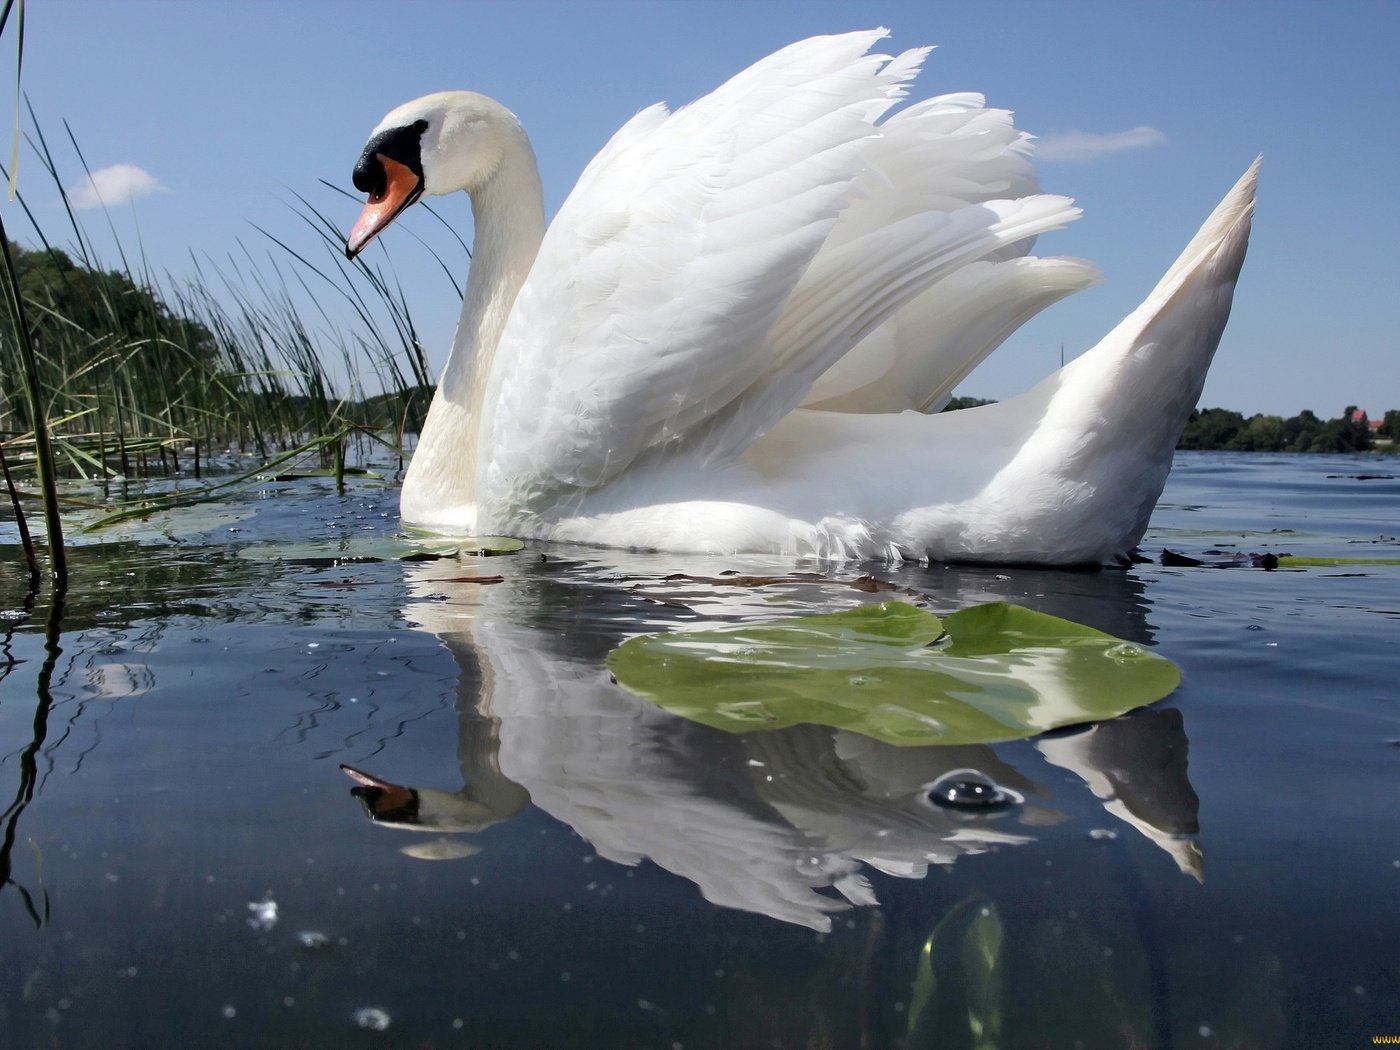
(26, 369)
(281, 344)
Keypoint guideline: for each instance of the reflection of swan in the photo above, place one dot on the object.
(769, 822)
(633, 376)
(1139, 776)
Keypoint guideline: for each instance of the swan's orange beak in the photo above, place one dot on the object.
(401, 188)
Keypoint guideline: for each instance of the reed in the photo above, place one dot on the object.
(43, 450)
(280, 345)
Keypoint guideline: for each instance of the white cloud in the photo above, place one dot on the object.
(1083, 146)
(114, 185)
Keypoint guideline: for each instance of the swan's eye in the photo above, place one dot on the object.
(369, 176)
(403, 144)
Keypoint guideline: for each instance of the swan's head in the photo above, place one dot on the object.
(453, 140)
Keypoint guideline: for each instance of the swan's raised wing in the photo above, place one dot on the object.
(651, 300)
(943, 154)
(711, 264)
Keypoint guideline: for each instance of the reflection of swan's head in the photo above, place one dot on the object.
(427, 809)
(437, 144)
(383, 800)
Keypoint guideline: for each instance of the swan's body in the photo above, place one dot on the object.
(732, 335)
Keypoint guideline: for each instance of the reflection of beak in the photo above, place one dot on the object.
(383, 800)
(401, 188)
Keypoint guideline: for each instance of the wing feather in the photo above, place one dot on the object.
(713, 263)
(649, 304)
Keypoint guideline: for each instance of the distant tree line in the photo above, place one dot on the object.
(1220, 428)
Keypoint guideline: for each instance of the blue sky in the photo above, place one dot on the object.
(222, 110)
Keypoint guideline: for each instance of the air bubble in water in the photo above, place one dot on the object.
(263, 914)
(372, 1017)
(1126, 651)
(969, 789)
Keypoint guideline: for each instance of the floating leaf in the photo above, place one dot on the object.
(347, 549)
(327, 472)
(485, 546)
(1301, 562)
(1003, 672)
(488, 546)
(344, 551)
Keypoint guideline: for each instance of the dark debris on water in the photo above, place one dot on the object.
(1217, 559)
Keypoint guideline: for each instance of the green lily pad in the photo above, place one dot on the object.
(485, 546)
(1001, 672)
(1298, 561)
(328, 472)
(489, 546)
(347, 550)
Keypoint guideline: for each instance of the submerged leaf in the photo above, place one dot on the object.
(441, 848)
(956, 998)
(1002, 673)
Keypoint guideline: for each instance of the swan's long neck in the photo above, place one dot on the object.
(508, 214)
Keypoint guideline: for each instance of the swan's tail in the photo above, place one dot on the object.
(1077, 463)
(1143, 379)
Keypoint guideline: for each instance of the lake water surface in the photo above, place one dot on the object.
(185, 863)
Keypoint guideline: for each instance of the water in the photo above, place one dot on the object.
(1220, 869)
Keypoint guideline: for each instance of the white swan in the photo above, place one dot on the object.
(731, 336)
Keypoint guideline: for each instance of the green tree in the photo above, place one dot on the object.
(1390, 427)
(1343, 434)
(1300, 430)
(68, 296)
(1261, 434)
(1211, 428)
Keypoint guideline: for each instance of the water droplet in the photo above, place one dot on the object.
(909, 724)
(1125, 651)
(969, 789)
(230, 1012)
(371, 1017)
(746, 711)
(313, 939)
